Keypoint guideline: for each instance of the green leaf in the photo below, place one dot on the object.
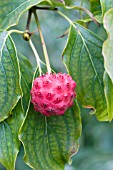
(27, 71)
(84, 62)
(108, 44)
(9, 76)
(106, 5)
(58, 2)
(9, 142)
(68, 2)
(109, 95)
(95, 6)
(50, 141)
(53, 3)
(10, 11)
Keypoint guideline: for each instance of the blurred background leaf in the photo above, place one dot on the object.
(95, 6)
(106, 5)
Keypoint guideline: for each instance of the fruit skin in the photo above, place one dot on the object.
(53, 94)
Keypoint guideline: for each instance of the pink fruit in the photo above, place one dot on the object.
(53, 94)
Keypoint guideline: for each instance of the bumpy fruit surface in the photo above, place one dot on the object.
(53, 94)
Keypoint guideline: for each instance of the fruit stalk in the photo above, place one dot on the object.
(28, 20)
(43, 42)
(36, 55)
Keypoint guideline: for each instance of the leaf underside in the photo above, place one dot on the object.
(109, 95)
(107, 46)
(106, 5)
(108, 62)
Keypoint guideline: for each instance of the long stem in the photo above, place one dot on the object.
(71, 22)
(81, 4)
(15, 31)
(36, 55)
(43, 42)
(85, 10)
(28, 20)
(46, 8)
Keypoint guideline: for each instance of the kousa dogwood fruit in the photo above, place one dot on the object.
(53, 94)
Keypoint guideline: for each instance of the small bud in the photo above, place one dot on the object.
(26, 36)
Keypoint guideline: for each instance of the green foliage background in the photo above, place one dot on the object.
(96, 148)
